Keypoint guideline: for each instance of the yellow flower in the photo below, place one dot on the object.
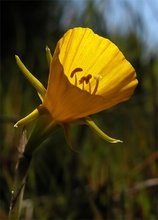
(88, 74)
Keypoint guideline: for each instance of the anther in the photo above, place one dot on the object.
(75, 70)
(78, 69)
(97, 77)
(88, 77)
(82, 80)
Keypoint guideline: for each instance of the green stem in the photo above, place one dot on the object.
(19, 186)
(44, 126)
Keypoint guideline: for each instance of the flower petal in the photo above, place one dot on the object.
(81, 48)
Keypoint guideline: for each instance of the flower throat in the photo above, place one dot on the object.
(85, 80)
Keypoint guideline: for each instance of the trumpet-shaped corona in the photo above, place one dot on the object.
(88, 74)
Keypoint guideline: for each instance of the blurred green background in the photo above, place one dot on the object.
(102, 181)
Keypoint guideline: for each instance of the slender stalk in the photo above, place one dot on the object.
(43, 127)
(19, 186)
(21, 171)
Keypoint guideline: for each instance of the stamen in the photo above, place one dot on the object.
(78, 69)
(81, 81)
(88, 77)
(97, 77)
(89, 87)
(87, 81)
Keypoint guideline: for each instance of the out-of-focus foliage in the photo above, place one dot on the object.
(102, 181)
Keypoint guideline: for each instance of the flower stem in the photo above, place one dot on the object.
(19, 186)
(21, 171)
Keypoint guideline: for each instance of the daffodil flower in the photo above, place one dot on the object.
(88, 74)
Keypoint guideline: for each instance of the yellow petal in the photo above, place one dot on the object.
(95, 55)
